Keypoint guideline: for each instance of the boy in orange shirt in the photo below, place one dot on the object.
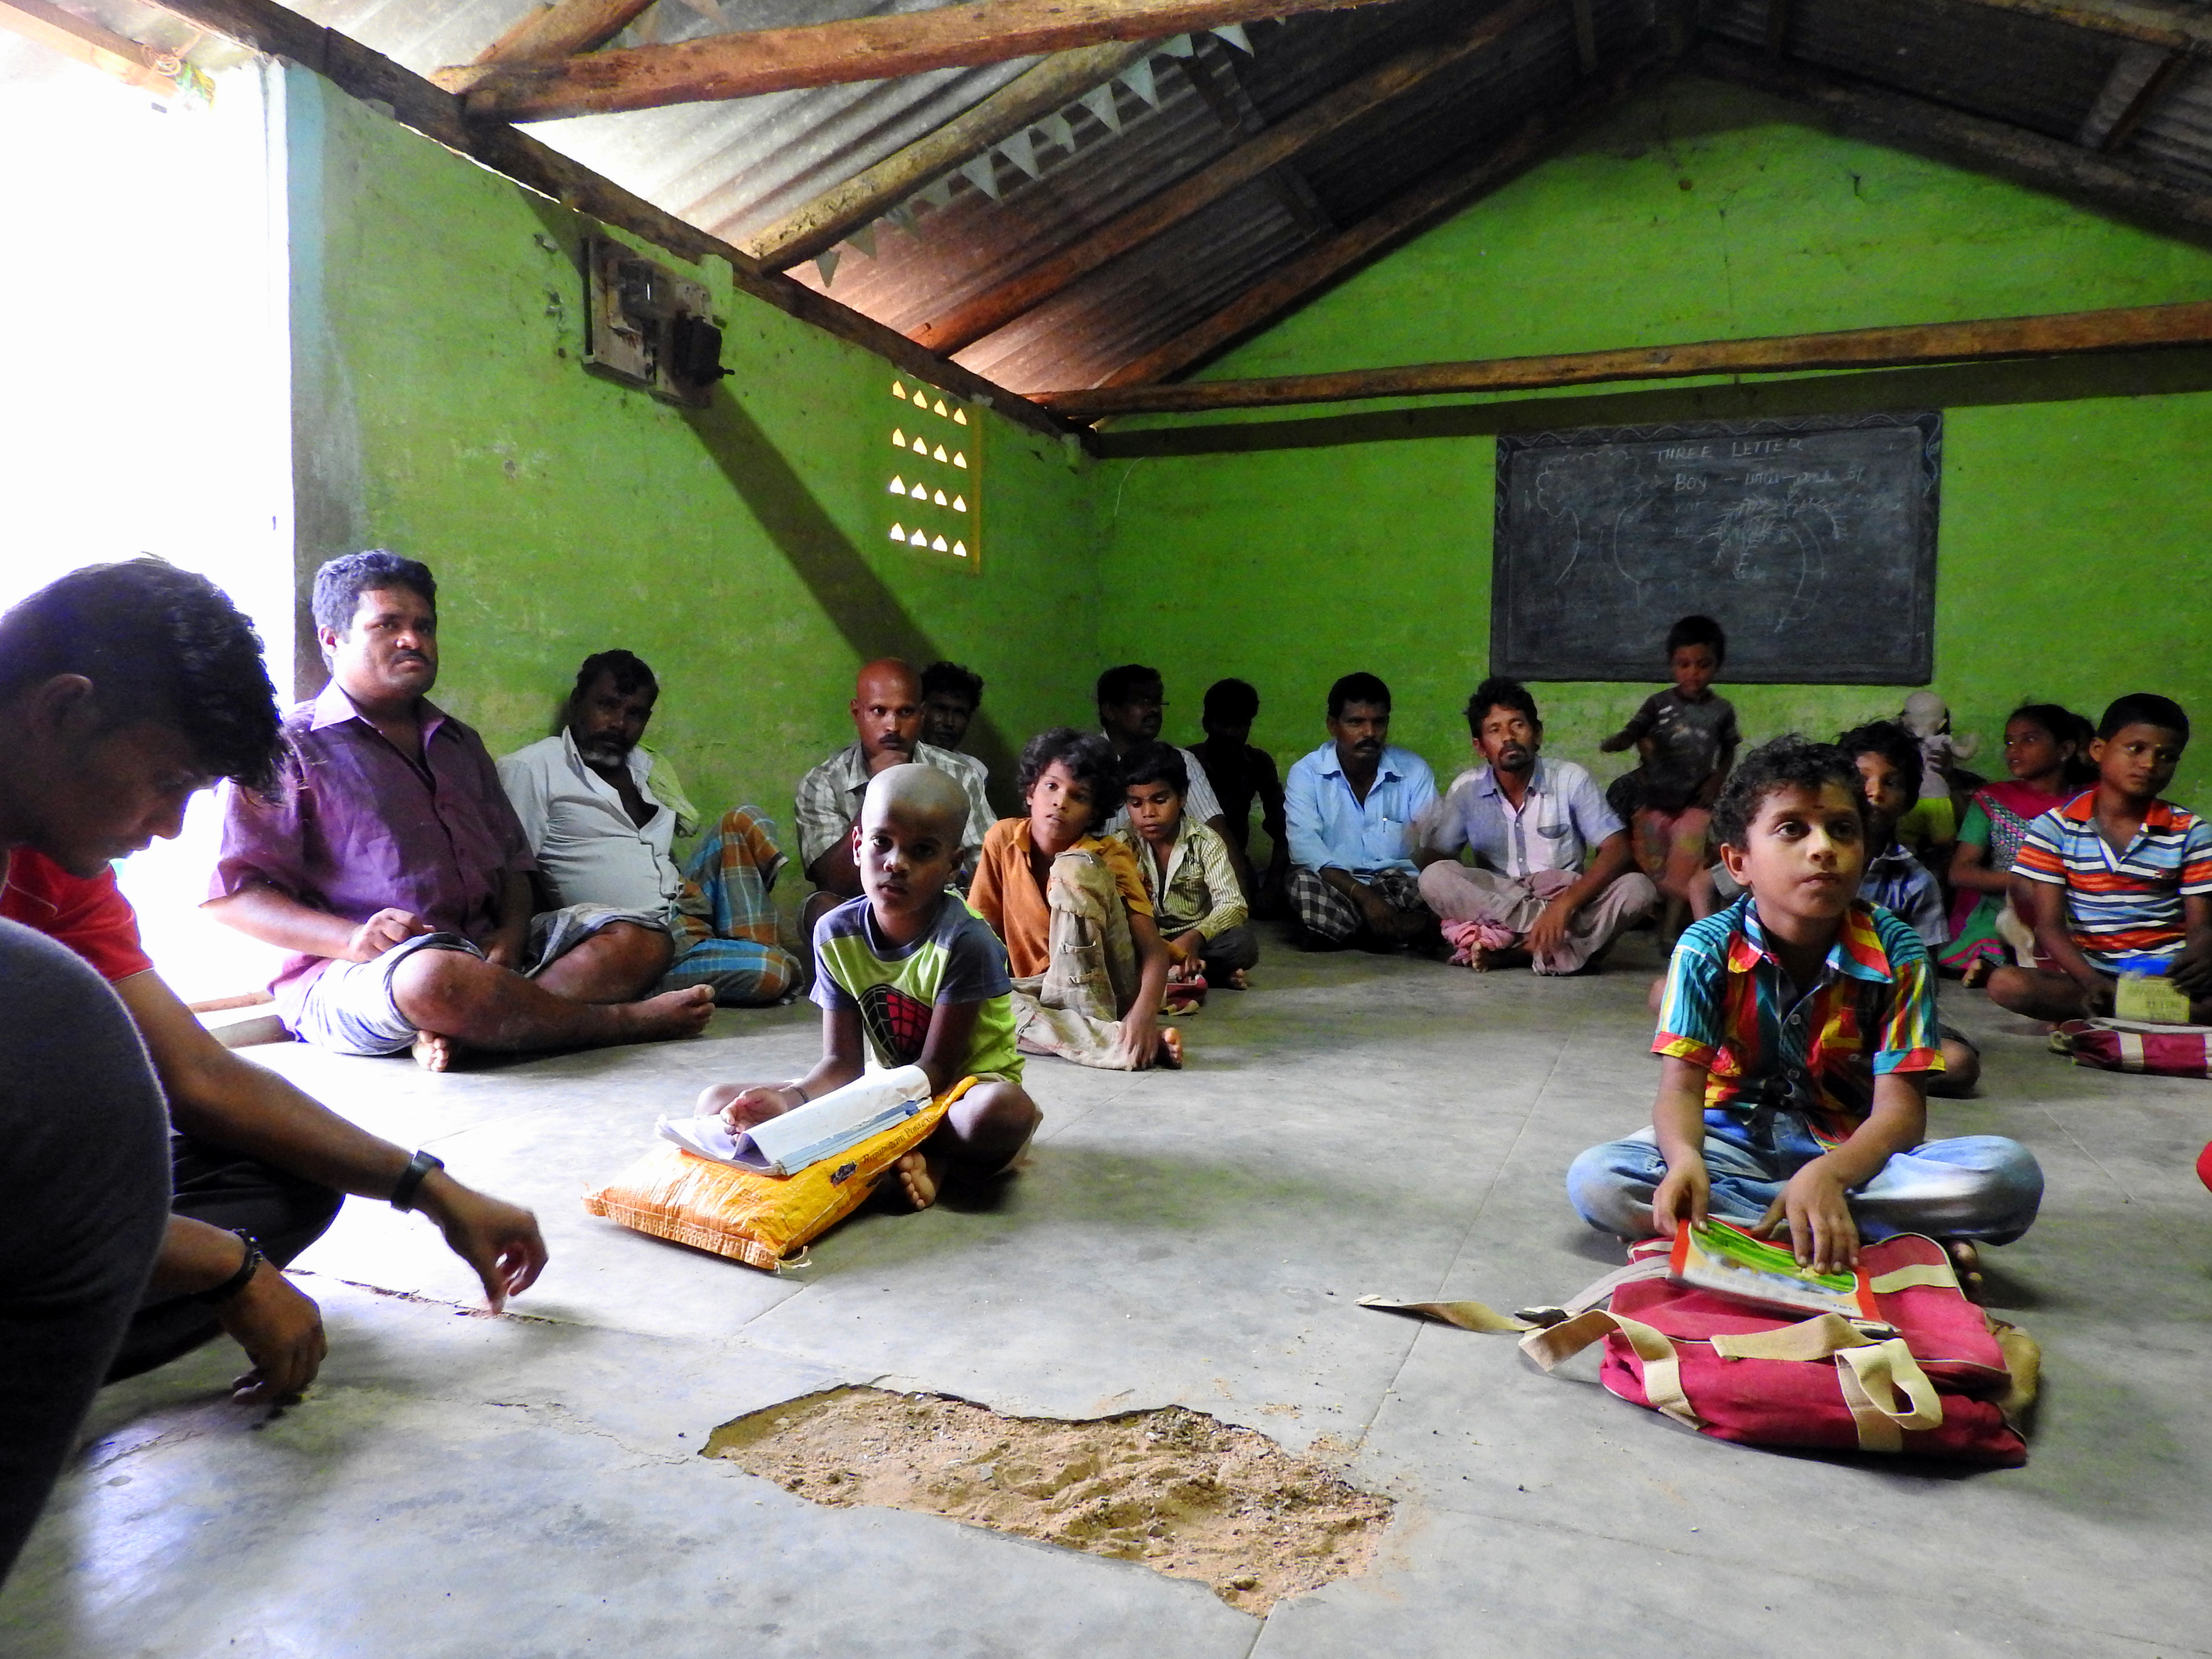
(1088, 966)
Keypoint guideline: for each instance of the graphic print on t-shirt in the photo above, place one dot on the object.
(896, 1024)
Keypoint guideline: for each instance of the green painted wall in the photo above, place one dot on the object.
(442, 411)
(2075, 516)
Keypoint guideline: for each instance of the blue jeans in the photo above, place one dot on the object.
(1981, 1187)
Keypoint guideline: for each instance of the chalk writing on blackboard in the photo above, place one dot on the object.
(1811, 541)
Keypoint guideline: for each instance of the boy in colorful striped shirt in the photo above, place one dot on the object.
(2116, 881)
(907, 975)
(1796, 1039)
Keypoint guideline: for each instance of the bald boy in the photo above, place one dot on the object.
(886, 710)
(907, 975)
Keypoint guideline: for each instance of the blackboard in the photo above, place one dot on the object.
(1811, 542)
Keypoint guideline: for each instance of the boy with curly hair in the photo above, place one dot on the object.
(1089, 970)
(1796, 1039)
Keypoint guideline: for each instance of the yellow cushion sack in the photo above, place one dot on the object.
(761, 1220)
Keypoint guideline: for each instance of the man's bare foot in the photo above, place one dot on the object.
(1237, 981)
(1486, 960)
(434, 1053)
(1169, 1056)
(1966, 1262)
(919, 1179)
(672, 1014)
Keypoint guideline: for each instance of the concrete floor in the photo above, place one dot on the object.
(530, 1486)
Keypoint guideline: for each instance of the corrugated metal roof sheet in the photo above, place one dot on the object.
(731, 169)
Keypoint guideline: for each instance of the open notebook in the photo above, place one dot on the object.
(821, 1128)
(1719, 1257)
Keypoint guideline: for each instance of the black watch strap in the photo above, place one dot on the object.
(411, 1178)
(218, 1295)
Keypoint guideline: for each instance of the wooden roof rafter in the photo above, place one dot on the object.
(872, 48)
(2133, 328)
(1450, 190)
(1357, 99)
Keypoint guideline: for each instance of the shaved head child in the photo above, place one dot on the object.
(907, 975)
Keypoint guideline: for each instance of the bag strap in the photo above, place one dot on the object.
(1820, 1337)
(1481, 1316)
(1663, 1367)
(1872, 1377)
(1932, 1275)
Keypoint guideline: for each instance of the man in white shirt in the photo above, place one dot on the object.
(602, 812)
(1132, 702)
(1530, 824)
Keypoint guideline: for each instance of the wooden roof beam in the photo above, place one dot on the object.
(561, 30)
(1357, 99)
(265, 27)
(148, 68)
(1049, 87)
(1896, 118)
(2146, 100)
(2157, 22)
(2135, 328)
(1436, 197)
(875, 48)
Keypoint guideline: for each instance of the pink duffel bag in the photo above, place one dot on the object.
(1929, 1374)
(2125, 1045)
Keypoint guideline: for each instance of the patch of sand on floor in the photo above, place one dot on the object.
(1182, 1493)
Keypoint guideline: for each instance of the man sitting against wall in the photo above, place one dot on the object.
(1530, 824)
(1352, 807)
(124, 690)
(600, 812)
(389, 863)
(887, 718)
(1131, 703)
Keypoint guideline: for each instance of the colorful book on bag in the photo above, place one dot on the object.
(806, 1135)
(1728, 1261)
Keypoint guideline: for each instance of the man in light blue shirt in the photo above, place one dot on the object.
(1351, 807)
(1530, 823)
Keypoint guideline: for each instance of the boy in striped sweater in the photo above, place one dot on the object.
(2117, 880)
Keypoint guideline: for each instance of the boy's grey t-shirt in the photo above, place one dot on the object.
(1687, 741)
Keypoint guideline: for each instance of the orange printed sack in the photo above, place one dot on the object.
(761, 1220)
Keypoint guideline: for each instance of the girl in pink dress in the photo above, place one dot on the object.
(2043, 743)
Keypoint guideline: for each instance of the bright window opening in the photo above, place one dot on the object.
(154, 417)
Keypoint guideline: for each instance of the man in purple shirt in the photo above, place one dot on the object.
(389, 862)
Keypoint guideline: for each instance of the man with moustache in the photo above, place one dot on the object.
(1353, 806)
(887, 714)
(1554, 880)
(1132, 701)
(389, 863)
(600, 811)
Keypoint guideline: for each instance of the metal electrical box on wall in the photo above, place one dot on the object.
(647, 326)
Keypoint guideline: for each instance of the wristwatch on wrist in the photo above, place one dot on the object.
(238, 1281)
(410, 1179)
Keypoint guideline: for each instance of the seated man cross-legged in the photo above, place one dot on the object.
(389, 862)
(887, 719)
(1530, 823)
(1352, 807)
(1796, 1038)
(600, 812)
(907, 975)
